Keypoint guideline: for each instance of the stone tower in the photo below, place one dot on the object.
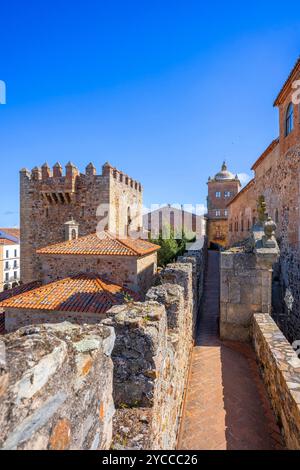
(49, 199)
(221, 190)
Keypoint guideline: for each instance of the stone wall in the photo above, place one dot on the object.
(56, 388)
(17, 318)
(129, 271)
(153, 342)
(280, 369)
(151, 357)
(48, 199)
(246, 286)
(277, 179)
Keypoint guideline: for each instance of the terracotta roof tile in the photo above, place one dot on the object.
(6, 241)
(13, 232)
(242, 191)
(6, 294)
(104, 244)
(266, 152)
(85, 292)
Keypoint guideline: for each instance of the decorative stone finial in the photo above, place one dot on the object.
(269, 228)
(261, 210)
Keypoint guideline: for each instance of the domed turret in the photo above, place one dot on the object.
(224, 174)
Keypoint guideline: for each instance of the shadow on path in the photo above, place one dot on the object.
(226, 405)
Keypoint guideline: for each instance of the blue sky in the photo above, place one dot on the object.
(164, 90)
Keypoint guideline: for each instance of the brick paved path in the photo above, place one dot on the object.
(226, 405)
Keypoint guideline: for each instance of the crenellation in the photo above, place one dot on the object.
(48, 201)
(57, 170)
(46, 172)
(36, 173)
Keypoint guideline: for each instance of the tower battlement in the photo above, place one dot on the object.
(50, 197)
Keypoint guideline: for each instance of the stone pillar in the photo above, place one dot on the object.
(246, 285)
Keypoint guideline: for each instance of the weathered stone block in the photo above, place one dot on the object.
(58, 375)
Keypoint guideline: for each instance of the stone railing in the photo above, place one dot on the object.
(56, 387)
(280, 368)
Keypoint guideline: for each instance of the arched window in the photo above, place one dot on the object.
(74, 234)
(289, 119)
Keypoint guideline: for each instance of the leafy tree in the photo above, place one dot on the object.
(171, 247)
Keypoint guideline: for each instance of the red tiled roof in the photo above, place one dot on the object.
(104, 244)
(6, 294)
(285, 86)
(265, 153)
(6, 241)
(79, 293)
(245, 188)
(13, 232)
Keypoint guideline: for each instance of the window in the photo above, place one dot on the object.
(6, 265)
(15, 275)
(15, 263)
(226, 212)
(248, 224)
(16, 253)
(218, 194)
(227, 194)
(289, 119)
(242, 225)
(7, 254)
(172, 220)
(218, 213)
(276, 216)
(6, 277)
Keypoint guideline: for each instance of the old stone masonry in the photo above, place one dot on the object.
(101, 349)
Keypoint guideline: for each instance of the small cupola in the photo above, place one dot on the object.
(71, 230)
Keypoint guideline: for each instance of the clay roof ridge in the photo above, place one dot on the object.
(285, 85)
(245, 188)
(108, 295)
(265, 153)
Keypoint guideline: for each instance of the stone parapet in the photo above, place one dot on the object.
(56, 388)
(151, 358)
(280, 369)
(246, 285)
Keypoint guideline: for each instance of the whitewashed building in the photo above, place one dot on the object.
(9, 258)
